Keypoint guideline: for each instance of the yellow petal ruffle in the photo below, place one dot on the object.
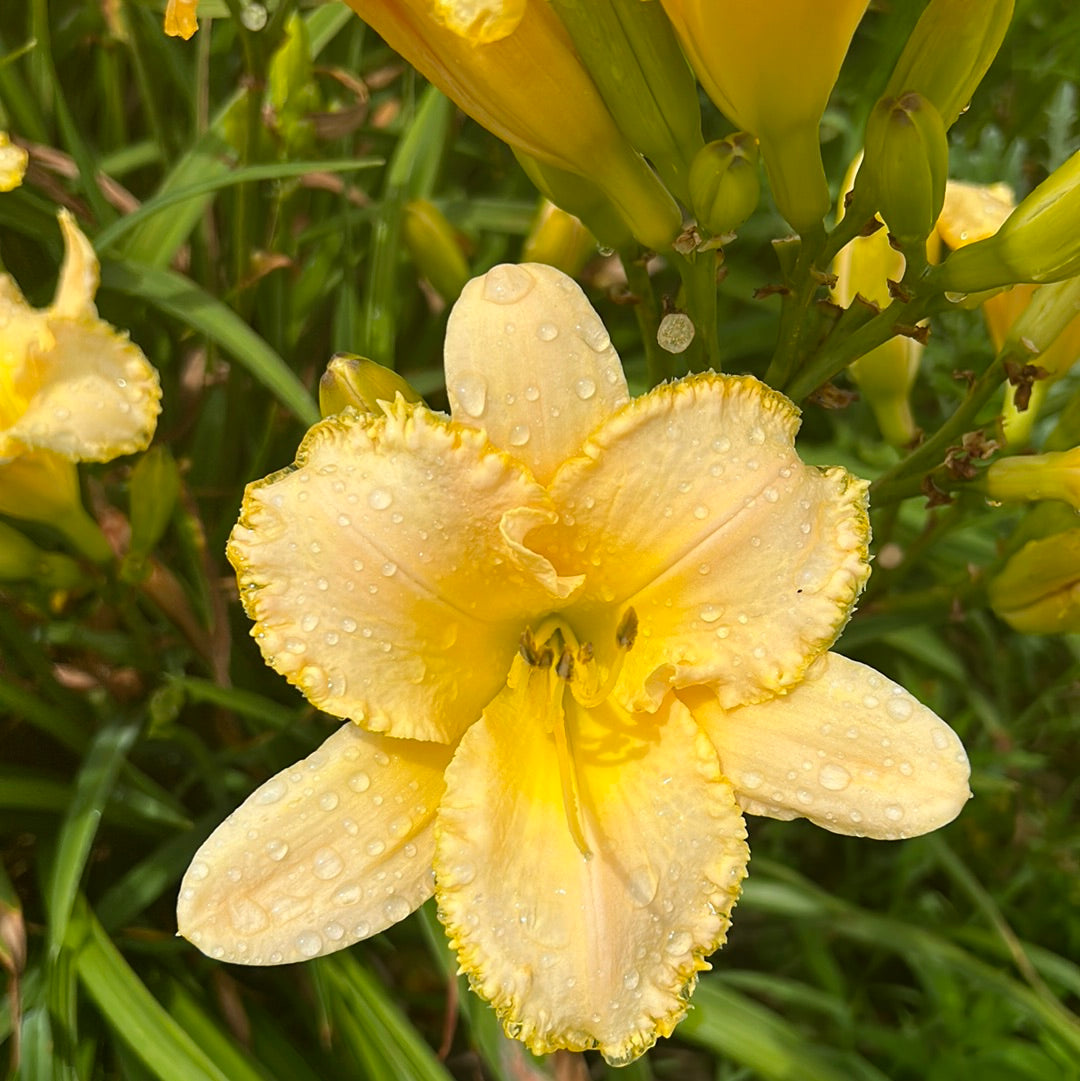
(847, 748)
(386, 573)
(691, 506)
(528, 360)
(330, 851)
(582, 952)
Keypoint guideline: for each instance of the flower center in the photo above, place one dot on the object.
(553, 647)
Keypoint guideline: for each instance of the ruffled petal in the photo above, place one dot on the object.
(386, 574)
(328, 852)
(847, 748)
(80, 274)
(692, 507)
(578, 952)
(528, 360)
(96, 395)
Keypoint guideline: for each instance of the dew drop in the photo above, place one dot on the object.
(679, 943)
(518, 436)
(642, 884)
(348, 895)
(547, 332)
(375, 848)
(277, 850)
(389, 569)
(751, 780)
(756, 436)
(359, 782)
(271, 792)
(711, 613)
(471, 391)
(631, 980)
(941, 740)
(894, 812)
(327, 864)
(507, 284)
(833, 777)
(900, 709)
(309, 944)
(532, 393)
(701, 512)
(585, 388)
(309, 622)
(396, 908)
(328, 801)
(379, 499)
(198, 871)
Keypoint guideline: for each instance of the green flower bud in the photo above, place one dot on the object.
(21, 560)
(1038, 242)
(358, 383)
(433, 245)
(905, 166)
(949, 52)
(724, 183)
(633, 57)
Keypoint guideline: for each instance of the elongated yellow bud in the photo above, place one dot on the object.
(433, 245)
(558, 239)
(1028, 478)
(359, 383)
(724, 183)
(529, 88)
(21, 560)
(949, 51)
(905, 166)
(770, 68)
(1038, 592)
(1038, 242)
(631, 53)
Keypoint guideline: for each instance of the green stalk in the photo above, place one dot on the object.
(647, 314)
(698, 273)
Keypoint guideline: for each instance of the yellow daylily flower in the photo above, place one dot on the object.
(1028, 478)
(770, 69)
(13, 162)
(512, 67)
(1038, 591)
(72, 388)
(181, 18)
(576, 636)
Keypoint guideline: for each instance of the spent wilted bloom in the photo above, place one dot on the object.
(72, 388)
(576, 636)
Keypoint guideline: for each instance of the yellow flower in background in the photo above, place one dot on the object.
(72, 388)
(1038, 591)
(180, 18)
(1028, 478)
(575, 636)
(13, 162)
(770, 69)
(974, 212)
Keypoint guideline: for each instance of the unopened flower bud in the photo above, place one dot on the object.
(724, 183)
(359, 383)
(906, 165)
(1038, 592)
(1038, 242)
(21, 560)
(433, 244)
(949, 51)
(1029, 478)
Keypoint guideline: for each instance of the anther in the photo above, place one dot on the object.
(565, 668)
(626, 634)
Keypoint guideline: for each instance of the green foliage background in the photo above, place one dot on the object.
(248, 217)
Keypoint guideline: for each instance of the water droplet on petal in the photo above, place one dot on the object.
(894, 812)
(518, 435)
(471, 391)
(547, 332)
(379, 498)
(327, 864)
(277, 850)
(359, 782)
(309, 944)
(507, 284)
(900, 709)
(643, 884)
(585, 388)
(833, 777)
(751, 780)
(198, 871)
(532, 393)
(271, 792)
(396, 908)
(678, 943)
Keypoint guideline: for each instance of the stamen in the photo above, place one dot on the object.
(567, 776)
(625, 635)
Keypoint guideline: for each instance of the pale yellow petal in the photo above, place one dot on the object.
(80, 274)
(847, 748)
(385, 570)
(95, 395)
(600, 952)
(973, 212)
(692, 507)
(13, 162)
(328, 852)
(528, 360)
(24, 336)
